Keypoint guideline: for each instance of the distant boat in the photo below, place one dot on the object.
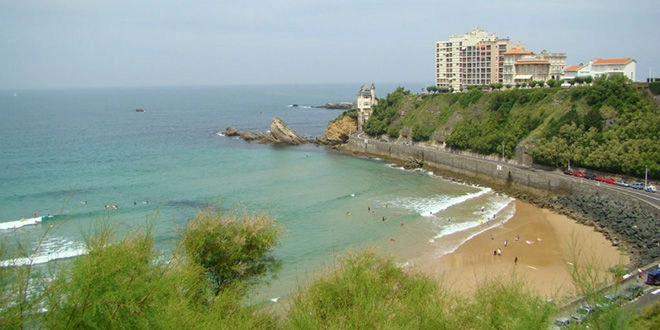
(139, 110)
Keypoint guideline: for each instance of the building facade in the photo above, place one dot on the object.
(478, 58)
(522, 66)
(366, 99)
(613, 66)
(603, 67)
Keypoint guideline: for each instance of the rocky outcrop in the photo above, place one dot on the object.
(338, 106)
(280, 133)
(336, 133)
(339, 129)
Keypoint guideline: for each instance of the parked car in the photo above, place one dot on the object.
(578, 174)
(582, 312)
(637, 185)
(633, 292)
(609, 181)
(650, 188)
(622, 183)
(562, 321)
(612, 299)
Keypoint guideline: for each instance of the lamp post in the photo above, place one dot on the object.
(502, 150)
(646, 177)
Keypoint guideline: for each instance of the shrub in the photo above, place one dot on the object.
(367, 291)
(654, 87)
(234, 249)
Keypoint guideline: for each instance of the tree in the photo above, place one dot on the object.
(236, 250)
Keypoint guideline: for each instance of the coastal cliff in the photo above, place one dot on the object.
(340, 129)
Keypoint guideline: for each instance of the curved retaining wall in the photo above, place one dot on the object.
(506, 173)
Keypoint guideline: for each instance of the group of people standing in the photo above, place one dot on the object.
(498, 251)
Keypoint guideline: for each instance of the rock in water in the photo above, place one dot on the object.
(281, 133)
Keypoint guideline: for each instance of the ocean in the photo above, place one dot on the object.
(86, 157)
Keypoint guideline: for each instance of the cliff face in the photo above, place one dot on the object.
(339, 129)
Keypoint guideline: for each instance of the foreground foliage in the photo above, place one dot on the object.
(367, 291)
(123, 283)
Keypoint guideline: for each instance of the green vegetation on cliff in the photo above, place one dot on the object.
(611, 125)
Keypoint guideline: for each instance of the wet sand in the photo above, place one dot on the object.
(546, 246)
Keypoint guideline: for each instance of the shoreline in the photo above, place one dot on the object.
(624, 220)
(545, 271)
(541, 257)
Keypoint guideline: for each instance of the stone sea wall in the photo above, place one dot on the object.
(632, 224)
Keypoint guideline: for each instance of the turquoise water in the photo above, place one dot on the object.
(71, 153)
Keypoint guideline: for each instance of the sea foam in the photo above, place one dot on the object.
(46, 253)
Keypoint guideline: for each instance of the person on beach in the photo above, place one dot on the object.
(515, 261)
(499, 251)
(491, 237)
(506, 243)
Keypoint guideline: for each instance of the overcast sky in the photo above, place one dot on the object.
(90, 43)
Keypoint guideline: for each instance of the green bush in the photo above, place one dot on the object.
(654, 87)
(367, 291)
(119, 284)
(233, 249)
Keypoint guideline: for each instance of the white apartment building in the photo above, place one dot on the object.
(471, 59)
(477, 58)
(612, 66)
(603, 67)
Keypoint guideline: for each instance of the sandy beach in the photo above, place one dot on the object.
(536, 245)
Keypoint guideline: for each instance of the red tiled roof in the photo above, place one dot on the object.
(609, 61)
(574, 67)
(517, 51)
